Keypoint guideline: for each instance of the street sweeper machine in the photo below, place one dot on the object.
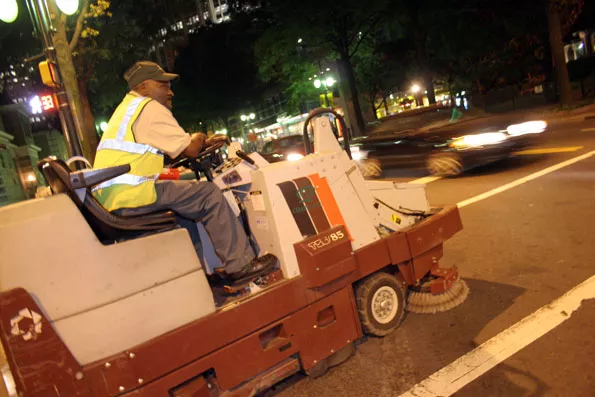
(95, 304)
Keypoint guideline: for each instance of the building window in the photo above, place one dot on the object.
(574, 51)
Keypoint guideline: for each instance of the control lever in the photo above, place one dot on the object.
(245, 157)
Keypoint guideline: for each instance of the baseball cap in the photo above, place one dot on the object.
(146, 70)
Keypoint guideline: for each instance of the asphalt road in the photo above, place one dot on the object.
(519, 250)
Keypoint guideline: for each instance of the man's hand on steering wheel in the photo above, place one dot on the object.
(210, 141)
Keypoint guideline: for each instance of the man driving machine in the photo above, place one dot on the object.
(139, 132)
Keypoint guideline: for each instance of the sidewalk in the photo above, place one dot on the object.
(554, 115)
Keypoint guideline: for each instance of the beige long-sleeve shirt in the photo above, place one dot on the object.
(157, 127)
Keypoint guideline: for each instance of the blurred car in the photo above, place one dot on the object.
(446, 150)
(288, 148)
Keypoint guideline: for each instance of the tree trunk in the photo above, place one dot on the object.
(88, 139)
(201, 12)
(373, 103)
(559, 61)
(384, 101)
(351, 96)
(88, 118)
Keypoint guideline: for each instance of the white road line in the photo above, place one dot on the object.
(587, 129)
(426, 179)
(527, 178)
(472, 365)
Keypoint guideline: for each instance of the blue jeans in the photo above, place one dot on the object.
(203, 202)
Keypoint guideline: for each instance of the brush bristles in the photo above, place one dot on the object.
(425, 302)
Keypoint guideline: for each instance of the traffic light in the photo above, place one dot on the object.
(49, 73)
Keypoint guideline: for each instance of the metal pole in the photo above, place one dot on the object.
(39, 11)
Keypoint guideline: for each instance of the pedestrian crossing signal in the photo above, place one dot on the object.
(49, 73)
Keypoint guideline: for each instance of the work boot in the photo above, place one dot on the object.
(257, 267)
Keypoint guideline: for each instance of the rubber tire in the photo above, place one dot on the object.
(364, 292)
(455, 169)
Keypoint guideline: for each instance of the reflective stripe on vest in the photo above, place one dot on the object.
(117, 147)
(126, 179)
(128, 147)
(132, 107)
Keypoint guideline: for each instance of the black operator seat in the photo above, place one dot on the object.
(107, 226)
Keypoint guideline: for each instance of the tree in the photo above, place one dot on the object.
(127, 33)
(379, 68)
(77, 70)
(335, 30)
(290, 67)
(561, 15)
(486, 44)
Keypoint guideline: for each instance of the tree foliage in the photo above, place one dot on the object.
(335, 30)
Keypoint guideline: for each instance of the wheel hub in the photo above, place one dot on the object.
(384, 305)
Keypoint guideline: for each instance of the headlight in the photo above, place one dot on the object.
(358, 154)
(294, 156)
(530, 127)
(488, 138)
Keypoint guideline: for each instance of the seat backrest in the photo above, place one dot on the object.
(108, 227)
(57, 176)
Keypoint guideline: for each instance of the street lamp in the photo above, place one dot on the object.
(68, 7)
(417, 94)
(326, 83)
(246, 119)
(9, 11)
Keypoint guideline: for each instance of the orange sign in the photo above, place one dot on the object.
(47, 103)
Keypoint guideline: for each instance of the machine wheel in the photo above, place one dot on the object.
(444, 164)
(370, 168)
(380, 303)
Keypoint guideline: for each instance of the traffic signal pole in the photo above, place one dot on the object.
(40, 15)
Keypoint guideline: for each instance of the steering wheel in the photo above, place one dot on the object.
(211, 149)
(202, 163)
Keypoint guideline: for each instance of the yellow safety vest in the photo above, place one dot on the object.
(117, 147)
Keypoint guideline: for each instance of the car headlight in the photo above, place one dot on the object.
(294, 156)
(358, 154)
(530, 127)
(477, 140)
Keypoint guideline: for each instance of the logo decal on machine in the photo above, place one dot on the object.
(312, 204)
(326, 240)
(26, 324)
